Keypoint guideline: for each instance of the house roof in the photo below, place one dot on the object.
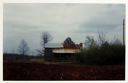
(65, 46)
(53, 45)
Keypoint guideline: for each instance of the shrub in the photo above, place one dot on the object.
(104, 55)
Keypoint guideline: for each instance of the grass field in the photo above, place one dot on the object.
(38, 71)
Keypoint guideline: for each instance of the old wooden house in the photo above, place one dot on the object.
(61, 51)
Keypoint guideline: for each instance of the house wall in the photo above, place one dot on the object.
(60, 54)
(66, 50)
(48, 53)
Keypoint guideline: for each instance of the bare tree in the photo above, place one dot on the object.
(45, 38)
(102, 38)
(90, 42)
(23, 48)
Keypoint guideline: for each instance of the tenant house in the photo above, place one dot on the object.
(61, 51)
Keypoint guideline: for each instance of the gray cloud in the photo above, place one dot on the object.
(61, 20)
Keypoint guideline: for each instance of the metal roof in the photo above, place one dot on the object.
(53, 45)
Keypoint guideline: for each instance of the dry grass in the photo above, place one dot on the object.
(36, 71)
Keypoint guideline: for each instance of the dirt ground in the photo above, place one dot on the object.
(38, 71)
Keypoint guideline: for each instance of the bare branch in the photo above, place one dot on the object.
(102, 38)
(45, 38)
(23, 48)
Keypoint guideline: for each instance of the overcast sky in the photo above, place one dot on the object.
(28, 21)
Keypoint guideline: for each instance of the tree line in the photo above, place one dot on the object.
(101, 52)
